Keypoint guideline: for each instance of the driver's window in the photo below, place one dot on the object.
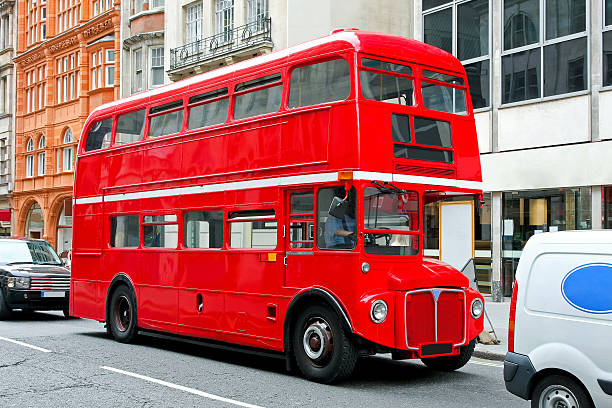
(337, 227)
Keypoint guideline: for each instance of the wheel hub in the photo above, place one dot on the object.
(558, 396)
(318, 341)
(123, 313)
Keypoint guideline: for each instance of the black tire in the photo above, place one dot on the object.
(122, 321)
(5, 311)
(557, 390)
(451, 363)
(323, 348)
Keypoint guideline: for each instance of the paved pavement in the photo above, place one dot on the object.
(75, 364)
(498, 314)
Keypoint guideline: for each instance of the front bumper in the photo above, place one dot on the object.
(37, 300)
(518, 374)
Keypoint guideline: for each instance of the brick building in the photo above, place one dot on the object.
(67, 64)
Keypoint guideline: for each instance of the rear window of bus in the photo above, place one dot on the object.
(386, 81)
(323, 82)
(439, 94)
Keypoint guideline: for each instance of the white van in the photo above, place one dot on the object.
(560, 331)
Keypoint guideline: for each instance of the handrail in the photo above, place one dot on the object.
(253, 33)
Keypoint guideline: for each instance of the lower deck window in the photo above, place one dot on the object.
(160, 231)
(124, 231)
(256, 229)
(203, 229)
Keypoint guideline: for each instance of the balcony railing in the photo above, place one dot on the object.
(227, 42)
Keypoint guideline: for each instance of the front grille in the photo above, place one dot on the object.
(434, 316)
(51, 283)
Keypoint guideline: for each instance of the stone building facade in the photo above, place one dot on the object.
(67, 64)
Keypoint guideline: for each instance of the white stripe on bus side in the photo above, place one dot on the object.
(280, 181)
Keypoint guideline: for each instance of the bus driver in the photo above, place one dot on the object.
(340, 225)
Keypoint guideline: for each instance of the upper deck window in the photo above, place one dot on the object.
(208, 109)
(391, 87)
(99, 135)
(130, 127)
(166, 119)
(440, 97)
(319, 83)
(258, 97)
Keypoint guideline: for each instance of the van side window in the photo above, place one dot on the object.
(265, 97)
(166, 119)
(124, 231)
(319, 83)
(130, 127)
(203, 229)
(253, 229)
(99, 135)
(208, 109)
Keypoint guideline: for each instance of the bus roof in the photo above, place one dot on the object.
(370, 42)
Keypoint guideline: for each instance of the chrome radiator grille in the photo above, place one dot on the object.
(51, 283)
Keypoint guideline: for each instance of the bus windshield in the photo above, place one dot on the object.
(393, 210)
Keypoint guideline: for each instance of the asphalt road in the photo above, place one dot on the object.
(74, 364)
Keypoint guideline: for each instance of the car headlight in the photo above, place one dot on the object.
(18, 282)
(378, 312)
(477, 308)
(365, 267)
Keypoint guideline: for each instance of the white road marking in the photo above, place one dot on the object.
(483, 363)
(25, 345)
(181, 388)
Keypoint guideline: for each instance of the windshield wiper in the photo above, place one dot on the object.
(382, 188)
(20, 263)
(48, 263)
(397, 189)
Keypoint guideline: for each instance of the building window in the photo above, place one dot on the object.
(67, 151)
(110, 68)
(607, 45)
(462, 28)
(193, 29)
(543, 56)
(137, 64)
(526, 213)
(42, 143)
(67, 74)
(6, 37)
(224, 19)
(68, 13)
(30, 159)
(157, 66)
(257, 12)
(157, 3)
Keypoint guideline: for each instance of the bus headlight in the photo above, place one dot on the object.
(365, 267)
(378, 312)
(477, 308)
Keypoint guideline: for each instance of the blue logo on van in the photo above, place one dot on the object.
(589, 288)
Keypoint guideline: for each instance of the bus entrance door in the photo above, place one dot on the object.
(299, 244)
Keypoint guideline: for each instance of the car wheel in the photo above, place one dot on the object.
(559, 391)
(451, 363)
(323, 349)
(122, 320)
(5, 311)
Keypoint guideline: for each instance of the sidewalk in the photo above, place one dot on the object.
(498, 314)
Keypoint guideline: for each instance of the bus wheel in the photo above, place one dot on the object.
(451, 363)
(122, 315)
(324, 352)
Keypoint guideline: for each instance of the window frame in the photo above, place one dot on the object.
(455, 4)
(604, 29)
(143, 224)
(254, 218)
(110, 230)
(252, 86)
(189, 105)
(540, 45)
(412, 77)
(152, 113)
(183, 229)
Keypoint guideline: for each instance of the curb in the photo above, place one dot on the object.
(489, 355)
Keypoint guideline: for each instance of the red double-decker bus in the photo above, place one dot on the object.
(278, 203)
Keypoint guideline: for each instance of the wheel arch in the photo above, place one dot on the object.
(540, 375)
(120, 279)
(301, 300)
